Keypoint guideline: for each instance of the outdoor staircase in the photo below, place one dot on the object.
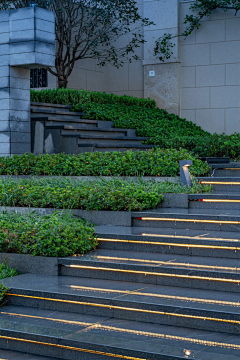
(56, 129)
(166, 288)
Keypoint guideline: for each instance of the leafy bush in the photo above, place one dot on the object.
(154, 162)
(73, 97)
(45, 235)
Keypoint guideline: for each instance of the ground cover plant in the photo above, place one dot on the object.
(74, 97)
(58, 234)
(5, 272)
(112, 194)
(168, 131)
(164, 129)
(154, 162)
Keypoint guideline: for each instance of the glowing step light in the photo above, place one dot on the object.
(219, 200)
(190, 220)
(155, 312)
(220, 182)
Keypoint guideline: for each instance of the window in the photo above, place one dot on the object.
(38, 78)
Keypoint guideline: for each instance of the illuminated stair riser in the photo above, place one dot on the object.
(165, 315)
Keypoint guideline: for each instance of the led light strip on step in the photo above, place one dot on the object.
(175, 244)
(153, 273)
(219, 200)
(169, 263)
(190, 237)
(110, 307)
(136, 332)
(162, 296)
(220, 182)
(190, 220)
(71, 348)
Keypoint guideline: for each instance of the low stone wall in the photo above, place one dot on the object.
(31, 264)
(116, 218)
(104, 217)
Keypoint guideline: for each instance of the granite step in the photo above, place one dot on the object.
(17, 355)
(163, 305)
(203, 219)
(55, 112)
(40, 105)
(102, 140)
(66, 122)
(228, 201)
(86, 147)
(222, 184)
(87, 337)
(107, 132)
(169, 241)
(154, 268)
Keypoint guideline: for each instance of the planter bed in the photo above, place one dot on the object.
(174, 179)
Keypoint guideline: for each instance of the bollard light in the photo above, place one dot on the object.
(185, 177)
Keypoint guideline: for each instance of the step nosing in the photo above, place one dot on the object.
(176, 311)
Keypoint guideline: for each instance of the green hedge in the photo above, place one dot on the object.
(45, 235)
(73, 97)
(154, 162)
(163, 129)
(147, 122)
(87, 195)
(111, 194)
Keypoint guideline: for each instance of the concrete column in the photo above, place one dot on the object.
(27, 40)
(164, 86)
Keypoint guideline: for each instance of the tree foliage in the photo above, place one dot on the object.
(90, 29)
(204, 8)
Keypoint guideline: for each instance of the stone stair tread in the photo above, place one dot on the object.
(219, 179)
(73, 119)
(17, 355)
(230, 195)
(118, 337)
(198, 234)
(57, 112)
(111, 291)
(179, 213)
(98, 129)
(118, 145)
(100, 136)
(155, 261)
(41, 104)
(226, 165)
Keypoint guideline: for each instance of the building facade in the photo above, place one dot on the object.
(200, 82)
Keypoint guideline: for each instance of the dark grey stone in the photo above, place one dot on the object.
(31, 264)
(21, 148)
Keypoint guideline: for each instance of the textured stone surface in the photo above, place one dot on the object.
(23, 43)
(31, 264)
(163, 87)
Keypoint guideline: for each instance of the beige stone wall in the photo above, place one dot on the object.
(210, 72)
(201, 81)
(87, 75)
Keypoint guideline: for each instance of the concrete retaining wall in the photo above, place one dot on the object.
(31, 264)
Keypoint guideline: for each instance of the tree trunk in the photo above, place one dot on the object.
(62, 82)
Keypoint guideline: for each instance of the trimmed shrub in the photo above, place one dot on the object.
(45, 235)
(154, 162)
(73, 97)
(112, 194)
(87, 195)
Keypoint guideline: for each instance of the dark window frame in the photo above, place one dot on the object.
(38, 78)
